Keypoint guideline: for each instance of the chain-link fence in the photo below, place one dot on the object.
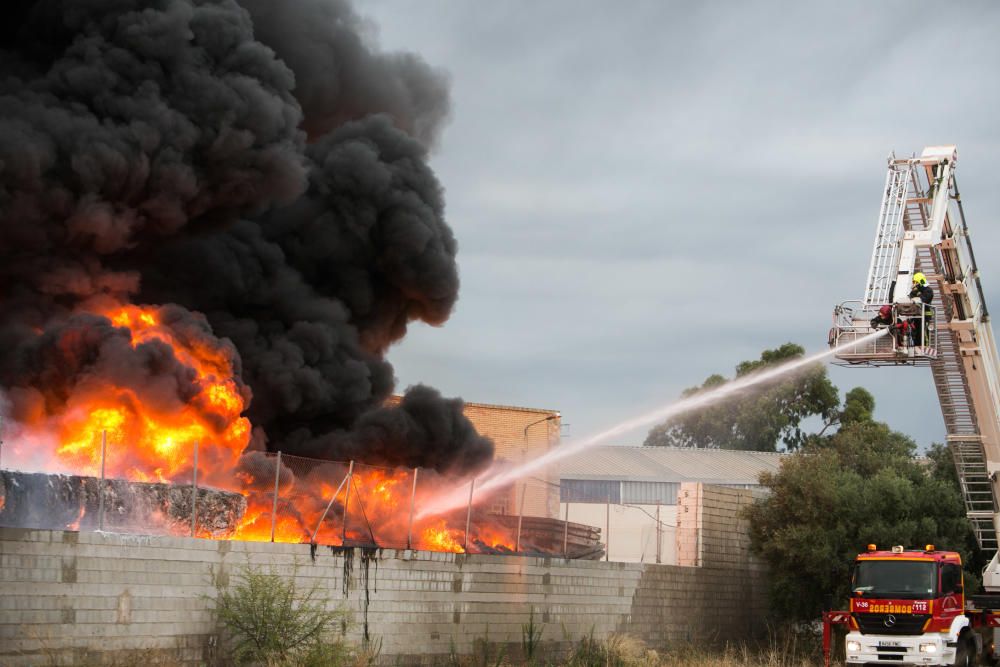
(195, 489)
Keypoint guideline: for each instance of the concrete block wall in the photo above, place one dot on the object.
(723, 588)
(87, 598)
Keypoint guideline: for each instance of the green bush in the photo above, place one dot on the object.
(273, 622)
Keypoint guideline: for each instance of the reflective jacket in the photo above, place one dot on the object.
(925, 293)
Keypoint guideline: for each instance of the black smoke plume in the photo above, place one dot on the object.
(261, 167)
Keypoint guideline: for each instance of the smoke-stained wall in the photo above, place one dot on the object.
(88, 597)
(254, 174)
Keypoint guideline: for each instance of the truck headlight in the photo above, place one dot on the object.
(853, 646)
(928, 648)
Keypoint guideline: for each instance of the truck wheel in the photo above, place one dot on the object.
(965, 654)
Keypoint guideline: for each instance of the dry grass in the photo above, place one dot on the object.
(620, 650)
(787, 649)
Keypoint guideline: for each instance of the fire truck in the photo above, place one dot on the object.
(910, 606)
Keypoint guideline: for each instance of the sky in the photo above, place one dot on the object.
(648, 193)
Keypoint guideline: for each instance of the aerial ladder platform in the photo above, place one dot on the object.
(922, 228)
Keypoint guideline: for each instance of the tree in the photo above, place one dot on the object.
(758, 419)
(859, 486)
(859, 406)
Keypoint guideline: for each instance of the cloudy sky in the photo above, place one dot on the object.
(647, 193)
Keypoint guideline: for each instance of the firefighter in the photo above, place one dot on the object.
(900, 330)
(884, 317)
(922, 291)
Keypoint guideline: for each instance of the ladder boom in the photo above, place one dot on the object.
(922, 228)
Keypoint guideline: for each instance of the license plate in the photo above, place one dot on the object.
(890, 644)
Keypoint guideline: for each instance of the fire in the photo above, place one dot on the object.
(147, 438)
(75, 525)
(150, 431)
(378, 511)
(78, 447)
(492, 538)
(439, 537)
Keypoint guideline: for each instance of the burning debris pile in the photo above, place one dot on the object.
(216, 217)
(69, 501)
(544, 536)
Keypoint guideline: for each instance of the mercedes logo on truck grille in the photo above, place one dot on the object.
(889, 621)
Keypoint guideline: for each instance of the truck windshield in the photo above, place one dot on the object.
(895, 579)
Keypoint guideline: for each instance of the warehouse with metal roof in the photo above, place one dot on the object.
(653, 475)
(630, 493)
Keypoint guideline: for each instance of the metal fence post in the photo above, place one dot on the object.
(330, 504)
(100, 489)
(468, 516)
(194, 492)
(347, 499)
(607, 530)
(566, 531)
(413, 501)
(520, 515)
(659, 534)
(274, 505)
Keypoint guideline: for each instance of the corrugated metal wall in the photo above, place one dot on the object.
(632, 493)
(650, 493)
(590, 491)
(638, 493)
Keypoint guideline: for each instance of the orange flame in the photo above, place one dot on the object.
(75, 525)
(439, 537)
(150, 441)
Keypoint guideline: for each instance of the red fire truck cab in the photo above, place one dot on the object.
(910, 607)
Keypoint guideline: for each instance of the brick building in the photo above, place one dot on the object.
(521, 434)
